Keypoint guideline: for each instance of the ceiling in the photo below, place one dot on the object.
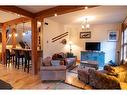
(7, 16)
(100, 15)
(35, 9)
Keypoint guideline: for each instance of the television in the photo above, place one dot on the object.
(93, 46)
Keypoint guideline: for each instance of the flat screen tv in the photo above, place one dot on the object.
(93, 46)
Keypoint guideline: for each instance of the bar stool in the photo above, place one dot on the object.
(27, 60)
(9, 57)
(18, 55)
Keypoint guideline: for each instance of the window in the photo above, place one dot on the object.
(124, 45)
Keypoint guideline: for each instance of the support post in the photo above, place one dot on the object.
(4, 39)
(34, 46)
(13, 38)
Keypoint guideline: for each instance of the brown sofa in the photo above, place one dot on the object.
(109, 78)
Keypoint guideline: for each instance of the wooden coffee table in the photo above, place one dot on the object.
(88, 63)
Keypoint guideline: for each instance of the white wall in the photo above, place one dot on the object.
(99, 33)
(50, 31)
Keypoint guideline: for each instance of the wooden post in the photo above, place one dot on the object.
(4, 39)
(34, 46)
(13, 38)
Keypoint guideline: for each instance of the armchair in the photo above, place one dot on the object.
(52, 72)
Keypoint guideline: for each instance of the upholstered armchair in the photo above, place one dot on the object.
(53, 73)
(49, 71)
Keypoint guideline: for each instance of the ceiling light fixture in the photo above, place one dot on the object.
(86, 7)
(55, 14)
(16, 34)
(16, 30)
(9, 35)
(86, 25)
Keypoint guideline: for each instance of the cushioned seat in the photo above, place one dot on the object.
(51, 68)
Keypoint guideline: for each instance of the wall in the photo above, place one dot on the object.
(50, 31)
(99, 33)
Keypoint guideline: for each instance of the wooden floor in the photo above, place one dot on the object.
(22, 80)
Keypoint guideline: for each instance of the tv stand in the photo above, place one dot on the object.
(98, 56)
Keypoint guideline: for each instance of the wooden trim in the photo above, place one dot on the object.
(17, 10)
(17, 21)
(3, 44)
(59, 10)
(34, 46)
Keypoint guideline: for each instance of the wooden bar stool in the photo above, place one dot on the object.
(27, 60)
(18, 55)
(9, 57)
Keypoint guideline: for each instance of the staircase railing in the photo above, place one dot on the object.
(24, 44)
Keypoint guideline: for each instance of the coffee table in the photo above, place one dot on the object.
(88, 63)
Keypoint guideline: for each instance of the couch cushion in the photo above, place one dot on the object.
(53, 68)
(109, 68)
(47, 61)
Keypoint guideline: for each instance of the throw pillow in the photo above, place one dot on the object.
(62, 63)
(46, 61)
(55, 62)
(109, 68)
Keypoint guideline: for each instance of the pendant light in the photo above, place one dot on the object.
(16, 30)
(23, 33)
(86, 25)
(9, 31)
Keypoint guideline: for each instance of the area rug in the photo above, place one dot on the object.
(74, 69)
(74, 81)
(5, 85)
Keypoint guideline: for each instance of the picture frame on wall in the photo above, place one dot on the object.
(112, 36)
(84, 35)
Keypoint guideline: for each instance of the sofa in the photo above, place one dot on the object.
(109, 78)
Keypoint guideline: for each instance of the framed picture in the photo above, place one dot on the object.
(85, 35)
(112, 36)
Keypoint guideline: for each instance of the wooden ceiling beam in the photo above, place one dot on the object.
(17, 10)
(17, 21)
(59, 10)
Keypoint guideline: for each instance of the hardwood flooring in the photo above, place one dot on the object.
(22, 80)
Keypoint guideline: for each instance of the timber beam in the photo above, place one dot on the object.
(17, 10)
(59, 10)
(17, 21)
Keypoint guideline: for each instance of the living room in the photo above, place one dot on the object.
(65, 33)
(72, 23)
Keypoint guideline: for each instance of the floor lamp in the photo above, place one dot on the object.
(70, 44)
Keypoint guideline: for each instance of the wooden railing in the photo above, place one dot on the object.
(59, 37)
